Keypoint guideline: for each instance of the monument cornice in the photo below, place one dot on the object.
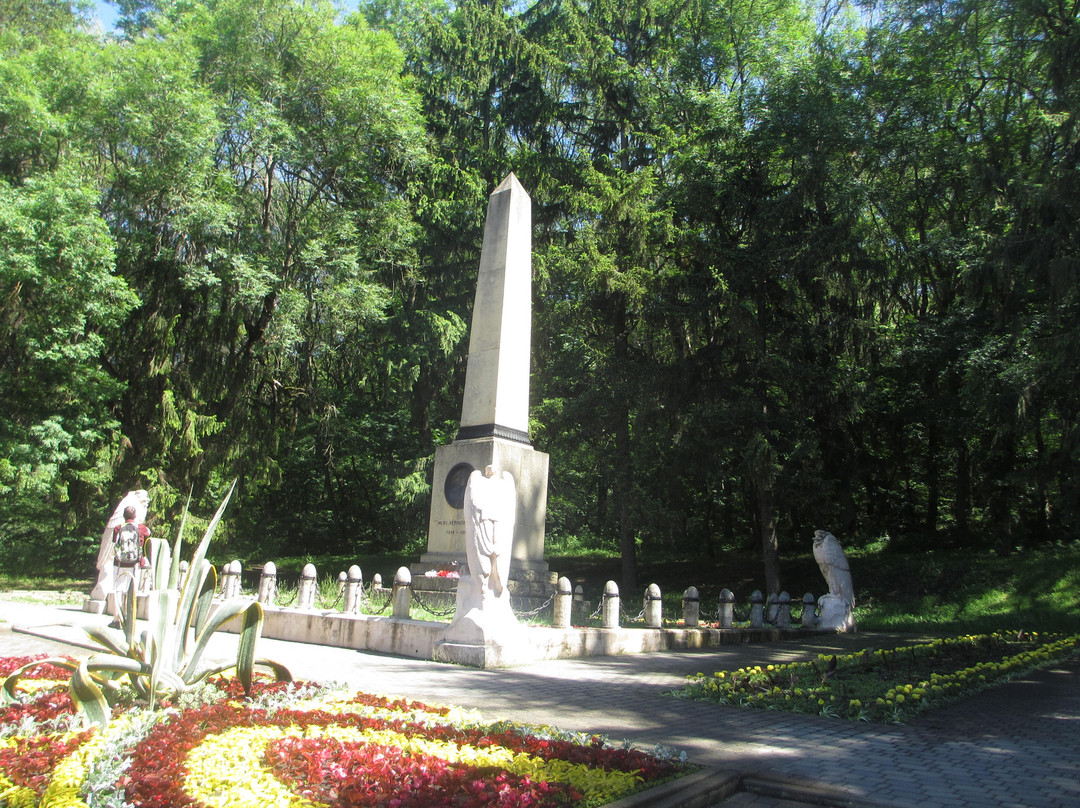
(492, 431)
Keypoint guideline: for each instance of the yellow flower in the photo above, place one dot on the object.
(214, 764)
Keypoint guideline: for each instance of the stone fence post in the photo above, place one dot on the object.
(354, 590)
(783, 610)
(268, 584)
(305, 598)
(654, 607)
(691, 607)
(757, 609)
(771, 609)
(564, 604)
(230, 580)
(402, 594)
(609, 615)
(727, 609)
(809, 618)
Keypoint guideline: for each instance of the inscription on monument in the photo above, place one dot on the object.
(452, 527)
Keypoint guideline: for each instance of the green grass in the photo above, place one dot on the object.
(45, 591)
(1036, 590)
(31, 583)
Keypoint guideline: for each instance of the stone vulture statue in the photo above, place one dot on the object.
(834, 565)
(838, 606)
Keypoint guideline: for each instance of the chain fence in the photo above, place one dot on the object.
(533, 612)
(437, 611)
(371, 599)
(378, 601)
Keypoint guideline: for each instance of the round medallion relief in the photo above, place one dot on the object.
(454, 487)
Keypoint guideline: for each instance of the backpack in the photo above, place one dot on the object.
(128, 545)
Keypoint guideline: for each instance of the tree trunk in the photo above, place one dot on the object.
(770, 545)
(624, 482)
(933, 482)
(624, 472)
(1001, 492)
(962, 504)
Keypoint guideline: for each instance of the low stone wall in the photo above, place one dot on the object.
(417, 639)
(394, 632)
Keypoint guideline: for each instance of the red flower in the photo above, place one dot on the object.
(31, 760)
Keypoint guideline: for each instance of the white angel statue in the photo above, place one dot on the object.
(490, 513)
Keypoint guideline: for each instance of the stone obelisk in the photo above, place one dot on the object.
(495, 411)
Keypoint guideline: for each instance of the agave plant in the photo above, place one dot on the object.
(163, 660)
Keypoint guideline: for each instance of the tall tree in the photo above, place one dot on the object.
(59, 296)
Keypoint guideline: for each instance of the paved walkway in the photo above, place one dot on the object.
(1015, 745)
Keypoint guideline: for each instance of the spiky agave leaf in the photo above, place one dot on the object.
(225, 612)
(88, 697)
(7, 690)
(174, 568)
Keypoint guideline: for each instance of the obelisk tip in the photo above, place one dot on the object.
(510, 181)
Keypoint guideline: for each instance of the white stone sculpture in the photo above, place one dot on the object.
(483, 600)
(106, 582)
(490, 513)
(838, 606)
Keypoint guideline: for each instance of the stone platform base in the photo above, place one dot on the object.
(488, 655)
(94, 606)
(420, 639)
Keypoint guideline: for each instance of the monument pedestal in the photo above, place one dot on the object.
(446, 525)
(836, 614)
(485, 633)
(494, 654)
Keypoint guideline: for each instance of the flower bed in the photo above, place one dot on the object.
(300, 745)
(885, 685)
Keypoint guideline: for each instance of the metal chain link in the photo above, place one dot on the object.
(599, 608)
(296, 595)
(709, 617)
(440, 612)
(340, 599)
(538, 609)
(371, 600)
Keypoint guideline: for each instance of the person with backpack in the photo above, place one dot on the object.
(128, 558)
(128, 540)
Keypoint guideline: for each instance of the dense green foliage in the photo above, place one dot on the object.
(796, 266)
